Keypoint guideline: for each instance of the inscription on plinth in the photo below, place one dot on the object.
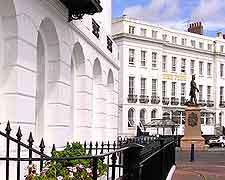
(192, 129)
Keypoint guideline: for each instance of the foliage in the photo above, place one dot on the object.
(79, 169)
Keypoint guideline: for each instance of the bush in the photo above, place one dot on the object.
(67, 170)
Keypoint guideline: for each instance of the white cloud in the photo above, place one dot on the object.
(171, 13)
(211, 12)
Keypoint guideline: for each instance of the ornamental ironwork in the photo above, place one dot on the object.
(192, 119)
(77, 9)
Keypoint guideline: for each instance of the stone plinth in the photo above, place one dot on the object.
(192, 130)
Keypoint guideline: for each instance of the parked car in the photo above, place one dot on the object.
(217, 141)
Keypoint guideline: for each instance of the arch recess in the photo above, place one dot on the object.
(97, 70)
(131, 117)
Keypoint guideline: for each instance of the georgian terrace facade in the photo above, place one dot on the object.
(156, 68)
(59, 79)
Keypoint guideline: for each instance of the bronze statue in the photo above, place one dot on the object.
(192, 91)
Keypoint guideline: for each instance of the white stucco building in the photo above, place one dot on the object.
(156, 68)
(59, 79)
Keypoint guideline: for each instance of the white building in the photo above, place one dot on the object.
(59, 79)
(156, 68)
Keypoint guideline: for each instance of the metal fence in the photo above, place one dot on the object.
(136, 158)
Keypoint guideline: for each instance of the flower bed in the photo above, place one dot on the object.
(66, 170)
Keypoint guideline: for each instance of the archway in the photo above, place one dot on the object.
(98, 101)
(48, 110)
(78, 92)
(153, 114)
(131, 117)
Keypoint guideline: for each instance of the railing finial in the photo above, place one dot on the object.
(19, 134)
(8, 128)
(30, 139)
(42, 144)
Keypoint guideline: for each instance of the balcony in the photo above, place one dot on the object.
(202, 103)
(155, 99)
(210, 103)
(132, 98)
(143, 99)
(165, 101)
(174, 101)
(222, 104)
(182, 101)
(77, 9)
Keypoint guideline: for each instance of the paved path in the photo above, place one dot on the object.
(207, 166)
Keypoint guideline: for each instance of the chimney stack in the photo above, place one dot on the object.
(196, 28)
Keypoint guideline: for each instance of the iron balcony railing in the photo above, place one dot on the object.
(174, 101)
(132, 98)
(143, 99)
(201, 102)
(222, 104)
(165, 100)
(155, 99)
(210, 103)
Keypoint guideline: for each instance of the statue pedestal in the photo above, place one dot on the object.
(192, 130)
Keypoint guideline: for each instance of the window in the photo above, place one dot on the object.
(174, 62)
(131, 85)
(221, 70)
(143, 86)
(164, 37)
(143, 58)
(163, 88)
(131, 118)
(201, 45)
(153, 114)
(200, 92)
(192, 70)
(154, 34)
(183, 65)
(183, 41)
(164, 63)
(154, 60)
(131, 29)
(154, 87)
(193, 43)
(221, 48)
(183, 85)
(208, 93)
(221, 93)
(173, 90)
(210, 47)
(142, 116)
(174, 40)
(143, 32)
(131, 56)
(201, 68)
(209, 69)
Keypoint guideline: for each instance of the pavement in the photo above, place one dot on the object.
(208, 165)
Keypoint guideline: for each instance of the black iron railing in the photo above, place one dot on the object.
(145, 157)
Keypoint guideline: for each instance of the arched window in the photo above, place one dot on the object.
(131, 117)
(153, 114)
(143, 116)
(220, 118)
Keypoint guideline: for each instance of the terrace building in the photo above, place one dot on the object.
(157, 64)
(59, 70)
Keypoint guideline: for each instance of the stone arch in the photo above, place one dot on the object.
(221, 116)
(111, 122)
(143, 116)
(131, 117)
(154, 113)
(48, 56)
(8, 53)
(78, 91)
(98, 101)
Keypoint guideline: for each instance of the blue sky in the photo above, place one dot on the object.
(175, 13)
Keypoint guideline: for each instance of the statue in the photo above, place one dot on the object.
(192, 91)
